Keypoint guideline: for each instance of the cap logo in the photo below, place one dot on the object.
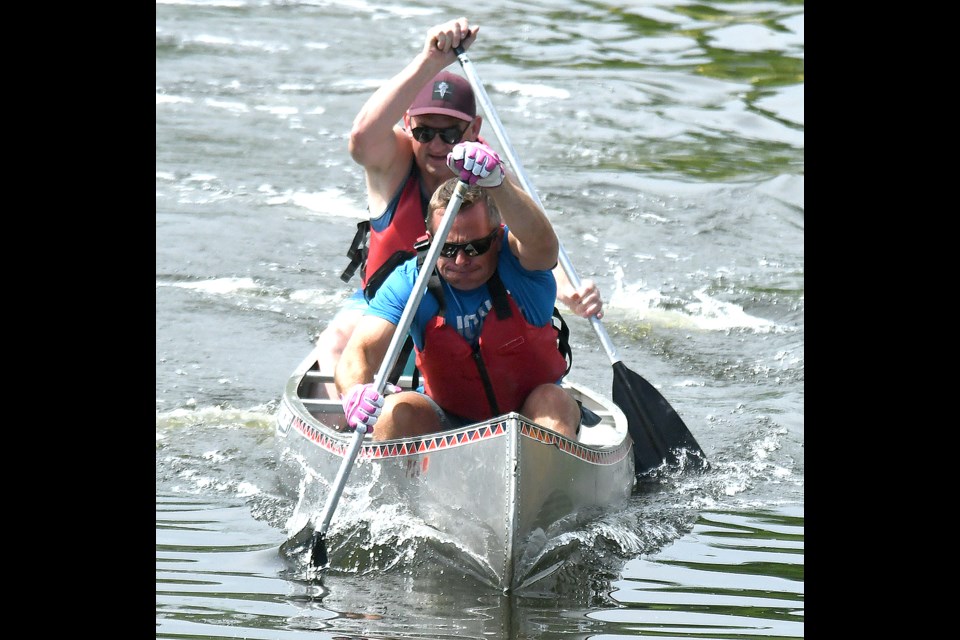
(441, 90)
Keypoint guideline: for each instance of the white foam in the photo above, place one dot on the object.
(236, 107)
(165, 99)
(531, 90)
(708, 314)
(715, 315)
(319, 297)
(332, 202)
(279, 110)
(217, 285)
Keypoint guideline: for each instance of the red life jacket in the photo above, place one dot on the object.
(381, 252)
(394, 245)
(511, 358)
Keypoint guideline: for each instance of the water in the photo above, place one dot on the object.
(666, 142)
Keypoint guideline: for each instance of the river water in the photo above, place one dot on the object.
(666, 140)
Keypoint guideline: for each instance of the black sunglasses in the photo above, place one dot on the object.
(450, 135)
(473, 248)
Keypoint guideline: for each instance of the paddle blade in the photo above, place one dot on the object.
(306, 540)
(657, 431)
(318, 554)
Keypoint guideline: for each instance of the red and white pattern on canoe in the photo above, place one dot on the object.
(377, 451)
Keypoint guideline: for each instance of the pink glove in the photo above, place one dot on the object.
(362, 405)
(476, 163)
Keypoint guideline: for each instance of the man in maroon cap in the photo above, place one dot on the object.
(401, 137)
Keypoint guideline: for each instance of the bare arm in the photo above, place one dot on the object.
(364, 353)
(532, 238)
(377, 142)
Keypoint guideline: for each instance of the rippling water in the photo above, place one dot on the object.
(666, 142)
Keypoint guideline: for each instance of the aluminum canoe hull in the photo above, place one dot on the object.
(499, 488)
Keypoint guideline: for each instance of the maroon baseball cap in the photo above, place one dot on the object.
(448, 94)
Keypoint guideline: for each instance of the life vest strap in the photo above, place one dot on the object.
(357, 251)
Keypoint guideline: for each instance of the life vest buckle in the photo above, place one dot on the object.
(423, 242)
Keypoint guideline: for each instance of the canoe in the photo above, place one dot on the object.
(500, 488)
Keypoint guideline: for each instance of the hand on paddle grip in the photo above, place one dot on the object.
(476, 163)
(362, 405)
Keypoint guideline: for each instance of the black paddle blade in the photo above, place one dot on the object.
(318, 554)
(307, 539)
(658, 432)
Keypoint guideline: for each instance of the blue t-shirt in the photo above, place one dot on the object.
(535, 292)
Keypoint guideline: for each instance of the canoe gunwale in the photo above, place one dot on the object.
(306, 415)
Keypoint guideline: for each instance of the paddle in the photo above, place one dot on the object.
(658, 433)
(318, 545)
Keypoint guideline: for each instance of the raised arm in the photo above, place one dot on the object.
(532, 238)
(377, 142)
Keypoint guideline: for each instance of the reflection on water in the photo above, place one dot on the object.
(735, 574)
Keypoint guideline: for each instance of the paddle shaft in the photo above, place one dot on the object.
(508, 151)
(393, 351)
(650, 418)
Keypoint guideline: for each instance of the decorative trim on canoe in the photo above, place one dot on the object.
(572, 447)
(443, 440)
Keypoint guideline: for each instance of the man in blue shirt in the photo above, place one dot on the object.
(494, 349)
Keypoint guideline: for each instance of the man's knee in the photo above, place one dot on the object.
(554, 401)
(405, 415)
